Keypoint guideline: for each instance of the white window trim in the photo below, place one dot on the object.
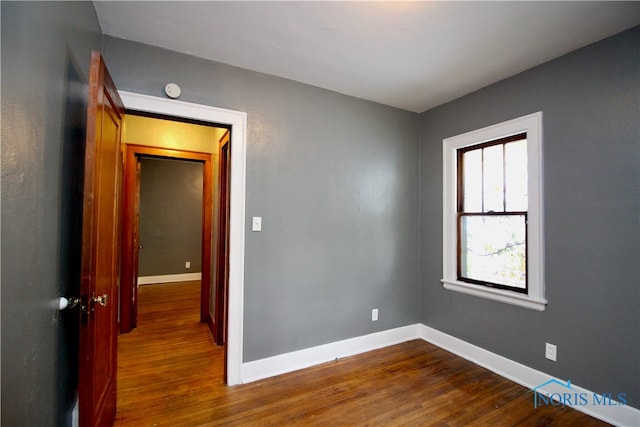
(532, 125)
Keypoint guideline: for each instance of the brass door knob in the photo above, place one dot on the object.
(103, 300)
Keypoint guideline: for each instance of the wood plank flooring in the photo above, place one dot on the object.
(170, 374)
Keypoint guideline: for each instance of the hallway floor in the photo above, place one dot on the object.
(169, 365)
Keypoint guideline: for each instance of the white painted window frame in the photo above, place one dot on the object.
(532, 125)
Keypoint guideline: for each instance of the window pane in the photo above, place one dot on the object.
(472, 161)
(516, 175)
(494, 249)
(493, 179)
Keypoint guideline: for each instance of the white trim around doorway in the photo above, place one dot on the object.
(238, 122)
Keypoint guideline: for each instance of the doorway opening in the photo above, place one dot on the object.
(237, 123)
(195, 146)
(170, 220)
(170, 226)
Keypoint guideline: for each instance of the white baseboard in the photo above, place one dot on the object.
(622, 415)
(167, 278)
(288, 362)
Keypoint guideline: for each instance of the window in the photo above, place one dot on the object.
(492, 213)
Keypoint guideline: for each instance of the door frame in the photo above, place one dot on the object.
(238, 122)
(130, 233)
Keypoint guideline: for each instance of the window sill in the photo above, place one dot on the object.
(521, 300)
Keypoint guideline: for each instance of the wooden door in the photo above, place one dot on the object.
(222, 265)
(100, 250)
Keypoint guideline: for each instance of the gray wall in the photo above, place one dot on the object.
(170, 217)
(335, 180)
(590, 101)
(45, 58)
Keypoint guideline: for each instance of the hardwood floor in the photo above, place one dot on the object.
(170, 374)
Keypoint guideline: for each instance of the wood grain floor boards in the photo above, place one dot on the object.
(170, 374)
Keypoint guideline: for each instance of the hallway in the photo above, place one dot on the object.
(169, 364)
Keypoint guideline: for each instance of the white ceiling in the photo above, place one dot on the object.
(411, 55)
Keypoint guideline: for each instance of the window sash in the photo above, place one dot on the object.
(461, 170)
(462, 212)
(461, 248)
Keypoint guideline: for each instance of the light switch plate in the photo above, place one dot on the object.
(256, 224)
(550, 351)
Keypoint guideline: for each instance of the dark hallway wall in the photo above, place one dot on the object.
(170, 217)
(45, 57)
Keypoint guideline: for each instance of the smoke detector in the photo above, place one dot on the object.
(172, 90)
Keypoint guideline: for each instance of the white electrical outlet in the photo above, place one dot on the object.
(374, 314)
(550, 351)
(187, 264)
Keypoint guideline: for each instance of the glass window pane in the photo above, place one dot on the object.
(494, 249)
(516, 175)
(493, 173)
(472, 171)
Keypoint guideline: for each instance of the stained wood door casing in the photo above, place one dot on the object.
(130, 237)
(136, 243)
(130, 241)
(100, 249)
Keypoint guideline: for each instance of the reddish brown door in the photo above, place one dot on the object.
(222, 268)
(100, 250)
